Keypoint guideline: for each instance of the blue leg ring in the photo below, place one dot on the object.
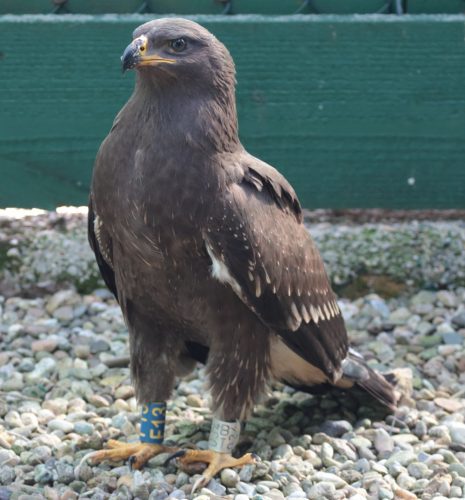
(152, 426)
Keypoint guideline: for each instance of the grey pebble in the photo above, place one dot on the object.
(98, 401)
(81, 373)
(7, 475)
(403, 335)
(194, 400)
(229, 478)
(160, 494)
(322, 490)
(179, 494)
(362, 465)
(275, 438)
(56, 405)
(182, 479)
(283, 451)
(329, 478)
(452, 338)
(360, 442)
(418, 470)
(336, 428)
(42, 369)
(401, 457)
(269, 484)
(459, 320)
(261, 488)
(458, 468)
(26, 365)
(140, 487)
(62, 425)
(64, 314)
(8, 457)
(275, 494)
(5, 493)
(405, 481)
(444, 488)
(98, 346)
(64, 472)
(293, 490)
(216, 487)
(385, 493)
(459, 481)
(350, 475)
(246, 472)
(455, 492)
(58, 299)
(14, 383)
(245, 488)
(383, 442)
(446, 298)
(82, 351)
(457, 432)
(13, 419)
(84, 472)
(77, 485)
(394, 468)
(82, 428)
(43, 474)
(420, 429)
(449, 456)
(39, 455)
(399, 316)
(299, 493)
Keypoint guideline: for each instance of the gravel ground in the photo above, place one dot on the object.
(60, 399)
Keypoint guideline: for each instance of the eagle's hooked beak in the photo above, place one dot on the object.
(135, 55)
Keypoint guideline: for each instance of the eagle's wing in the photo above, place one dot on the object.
(260, 247)
(100, 243)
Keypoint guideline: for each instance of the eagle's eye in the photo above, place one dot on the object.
(178, 45)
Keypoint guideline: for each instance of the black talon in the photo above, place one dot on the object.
(256, 457)
(177, 454)
(132, 460)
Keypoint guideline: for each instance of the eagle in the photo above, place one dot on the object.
(204, 247)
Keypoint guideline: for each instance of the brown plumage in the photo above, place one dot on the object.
(203, 245)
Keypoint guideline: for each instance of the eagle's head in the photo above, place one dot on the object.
(173, 49)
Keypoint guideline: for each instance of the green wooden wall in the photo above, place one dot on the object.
(233, 7)
(357, 111)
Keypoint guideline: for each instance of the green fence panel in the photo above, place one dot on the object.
(348, 7)
(263, 7)
(357, 111)
(273, 7)
(436, 7)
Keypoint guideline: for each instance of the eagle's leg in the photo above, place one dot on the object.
(238, 370)
(152, 431)
(153, 374)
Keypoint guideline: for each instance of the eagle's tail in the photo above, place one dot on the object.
(381, 386)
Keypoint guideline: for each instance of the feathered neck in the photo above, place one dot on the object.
(187, 112)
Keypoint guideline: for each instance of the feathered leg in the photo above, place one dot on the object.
(153, 374)
(238, 371)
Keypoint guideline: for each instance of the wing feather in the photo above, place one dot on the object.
(276, 268)
(96, 239)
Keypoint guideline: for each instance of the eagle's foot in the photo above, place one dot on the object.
(216, 462)
(138, 454)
